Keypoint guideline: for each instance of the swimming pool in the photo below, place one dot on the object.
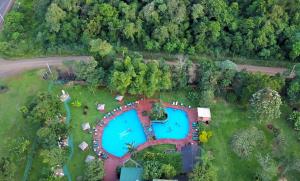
(175, 127)
(124, 128)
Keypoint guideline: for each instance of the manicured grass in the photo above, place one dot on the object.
(12, 125)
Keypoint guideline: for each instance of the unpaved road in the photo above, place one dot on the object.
(9, 68)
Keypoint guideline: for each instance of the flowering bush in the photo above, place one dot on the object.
(204, 136)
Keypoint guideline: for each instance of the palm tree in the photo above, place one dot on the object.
(131, 149)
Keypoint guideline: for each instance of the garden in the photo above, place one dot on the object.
(245, 140)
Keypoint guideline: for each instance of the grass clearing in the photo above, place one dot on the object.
(12, 125)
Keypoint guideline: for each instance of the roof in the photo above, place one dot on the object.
(83, 145)
(131, 174)
(119, 98)
(89, 158)
(100, 107)
(190, 156)
(203, 112)
(86, 126)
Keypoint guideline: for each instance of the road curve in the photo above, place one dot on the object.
(9, 68)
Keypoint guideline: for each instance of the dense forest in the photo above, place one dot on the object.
(263, 29)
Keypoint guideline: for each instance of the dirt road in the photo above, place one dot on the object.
(9, 68)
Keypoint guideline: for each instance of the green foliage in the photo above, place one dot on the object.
(152, 170)
(100, 47)
(18, 148)
(53, 157)
(158, 112)
(256, 29)
(168, 171)
(245, 142)
(246, 84)
(204, 170)
(76, 103)
(7, 169)
(295, 120)
(293, 91)
(268, 168)
(94, 170)
(136, 77)
(44, 107)
(265, 105)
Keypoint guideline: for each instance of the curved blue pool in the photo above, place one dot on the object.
(175, 127)
(125, 128)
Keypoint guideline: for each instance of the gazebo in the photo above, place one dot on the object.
(86, 126)
(119, 98)
(100, 107)
(204, 114)
(83, 146)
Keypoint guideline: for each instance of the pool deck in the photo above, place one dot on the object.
(111, 164)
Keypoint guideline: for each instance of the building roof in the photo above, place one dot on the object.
(203, 112)
(119, 98)
(83, 146)
(100, 107)
(86, 126)
(89, 158)
(131, 174)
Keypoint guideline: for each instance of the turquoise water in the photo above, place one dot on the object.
(125, 128)
(176, 126)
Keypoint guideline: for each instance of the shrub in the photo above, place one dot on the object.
(152, 170)
(231, 97)
(158, 112)
(265, 105)
(204, 136)
(168, 171)
(295, 120)
(245, 142)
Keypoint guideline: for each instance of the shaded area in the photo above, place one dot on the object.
(190, 156)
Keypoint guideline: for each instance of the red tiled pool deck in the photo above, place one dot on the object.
(111, 164)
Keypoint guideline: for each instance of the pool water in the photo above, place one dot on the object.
(124, 128)
(175, 127)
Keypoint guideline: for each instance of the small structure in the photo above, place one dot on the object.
(131, 174)
(59, 172)
(100, 107)
(204, 114)
(119, 98)
(83, 146)
(65, 96)
(89, 158)
(86, 126)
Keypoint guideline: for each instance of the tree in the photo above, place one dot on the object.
(53, 157)
(168, 171)
(268, 168)
(295, 119)
(54, 17)
(245, 142)
(293, 91)
(7, 169)
(204, 170)
(18, 148)
(131, 148)
(94, 170)
(158, 112)
(100, 47)
(151, 170)
(265, 105)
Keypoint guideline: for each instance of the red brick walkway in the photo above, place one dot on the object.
(111, 164)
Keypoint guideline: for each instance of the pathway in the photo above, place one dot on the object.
(112, 162)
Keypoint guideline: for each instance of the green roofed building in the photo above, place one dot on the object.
(131, 174)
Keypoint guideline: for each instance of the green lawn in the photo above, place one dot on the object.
(12, 125)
